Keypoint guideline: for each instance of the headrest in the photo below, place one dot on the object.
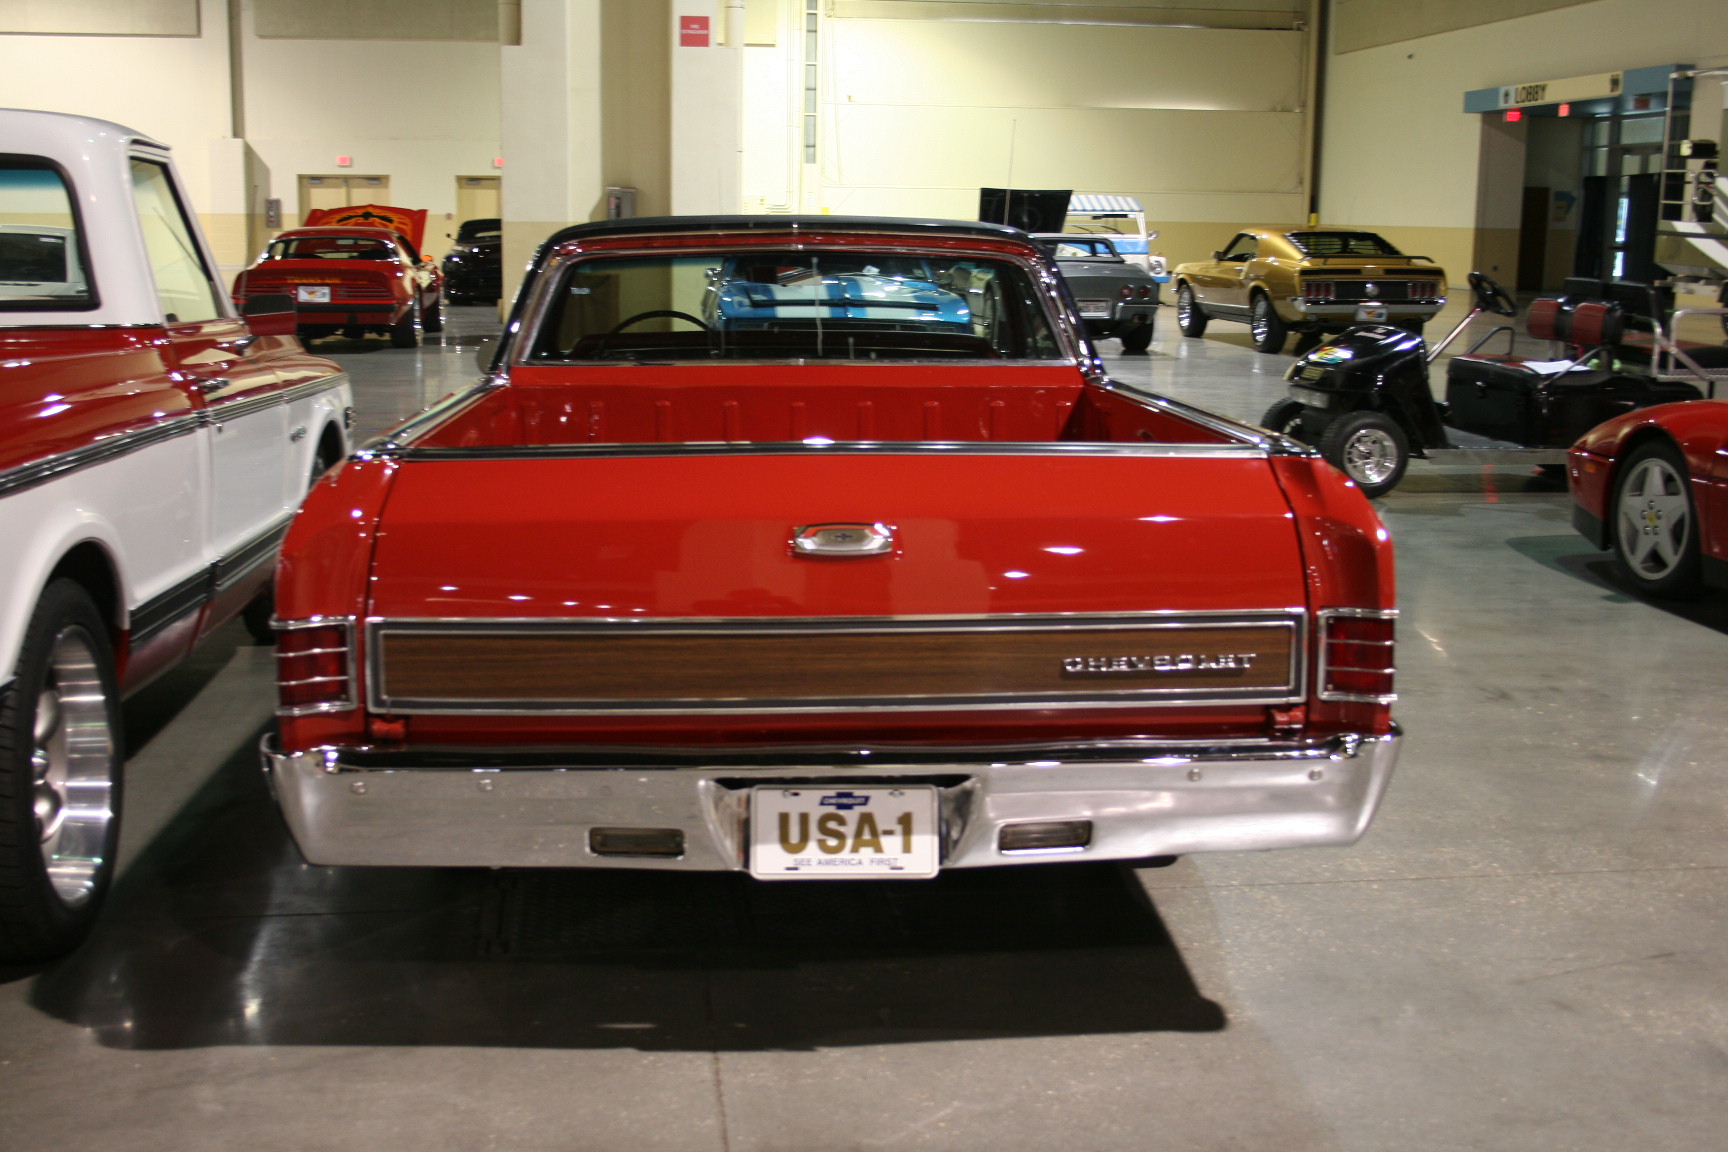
(1542, 319)
(1594, 323)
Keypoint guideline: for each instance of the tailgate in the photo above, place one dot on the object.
(663, 582)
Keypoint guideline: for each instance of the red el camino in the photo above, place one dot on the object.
(823, 547)
(351, 281)
(1653, 486)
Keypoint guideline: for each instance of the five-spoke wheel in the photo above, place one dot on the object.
(1655, 527)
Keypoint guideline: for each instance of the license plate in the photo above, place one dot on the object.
(313, 293)
(843, 833)
(1094, 310)
(1371, 312)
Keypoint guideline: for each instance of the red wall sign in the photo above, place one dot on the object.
(693, 31)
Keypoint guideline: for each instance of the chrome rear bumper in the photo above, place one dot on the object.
(534, 808)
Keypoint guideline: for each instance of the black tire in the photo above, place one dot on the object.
(1190, 317)
(1655, 524)
(1263, 321)
(1307, 340)
(1368, 448)
(432, 320)
(65, 684)
(1285, 417)
(404, 333)
(1136, 338)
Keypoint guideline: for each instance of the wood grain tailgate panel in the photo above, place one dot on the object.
(625, 668)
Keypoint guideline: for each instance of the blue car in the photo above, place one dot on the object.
(783, 291)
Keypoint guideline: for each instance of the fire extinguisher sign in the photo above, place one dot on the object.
(693, 31)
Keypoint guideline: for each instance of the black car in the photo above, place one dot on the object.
(474, 269)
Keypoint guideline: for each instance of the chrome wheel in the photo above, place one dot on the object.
(71, 768)
(1189, 318)
(1265, 326)
(1655, 540)
(1370, 456)
(1367, 447)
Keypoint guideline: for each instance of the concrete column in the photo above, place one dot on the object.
(707, 106)
(550, 108)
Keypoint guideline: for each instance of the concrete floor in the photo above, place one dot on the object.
(1526, 952)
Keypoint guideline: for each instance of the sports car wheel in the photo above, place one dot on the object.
(1655, 524)
(1189, 317)
(59, 779)
(404, 333)
(1269, 331)
(1285, 417)
(1136, 338)
(1368, 448)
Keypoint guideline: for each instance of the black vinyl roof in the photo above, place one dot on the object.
(640, 224)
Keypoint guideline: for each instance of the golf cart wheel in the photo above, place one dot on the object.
(1368, 448)
(1285, 417)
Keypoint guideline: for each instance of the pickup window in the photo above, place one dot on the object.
(184, 286)
(795, 305)
(331, 248)
(41, 262)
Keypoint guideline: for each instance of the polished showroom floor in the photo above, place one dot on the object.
(1527, 953)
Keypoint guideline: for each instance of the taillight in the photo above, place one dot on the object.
(1144, 292)
(315, 665)
(1318, 289)
(1356, 650)
(1126, 292)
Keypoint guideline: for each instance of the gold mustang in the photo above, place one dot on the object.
(1308, 280)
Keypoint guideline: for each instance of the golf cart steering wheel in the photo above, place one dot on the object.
(1490, 297)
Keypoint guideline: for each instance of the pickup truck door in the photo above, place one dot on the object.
(247, 433)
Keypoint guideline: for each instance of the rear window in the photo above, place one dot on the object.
(1341, 244)
(1081, 249)
(330, 248)
(42, 265)
(795, 305)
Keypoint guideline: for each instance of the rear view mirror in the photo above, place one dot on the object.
(1218, 255)
(271, 315)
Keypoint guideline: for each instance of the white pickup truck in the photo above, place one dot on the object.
(153, 446)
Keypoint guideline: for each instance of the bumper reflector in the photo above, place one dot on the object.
(1054, 836)
(662, 842)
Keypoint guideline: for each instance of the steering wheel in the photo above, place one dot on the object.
(1490, 297)
(629, 320)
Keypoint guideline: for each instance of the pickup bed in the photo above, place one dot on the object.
(823, 548)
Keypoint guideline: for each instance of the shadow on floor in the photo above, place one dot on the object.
(222, 935)
(1562, 554)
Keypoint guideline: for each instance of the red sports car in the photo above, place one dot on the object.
(1653, 486)
(350, 281)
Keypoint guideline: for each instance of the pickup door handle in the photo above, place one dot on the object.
(209, 384)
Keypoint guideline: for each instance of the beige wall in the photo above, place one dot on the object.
(422, 112)
(1205, 126)
(1402, 158)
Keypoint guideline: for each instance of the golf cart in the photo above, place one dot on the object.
(1364, 399)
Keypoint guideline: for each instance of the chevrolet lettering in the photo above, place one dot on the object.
(1165, 662)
